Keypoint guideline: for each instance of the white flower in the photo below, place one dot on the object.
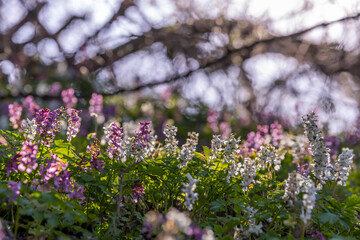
(292, 187)
(188, 149)
(268, 157)
(323, 170)
(248, 173)
(29, 129)
(171, 143)
(309, 200)
(190, 196)
(343, 166)
(181, 220)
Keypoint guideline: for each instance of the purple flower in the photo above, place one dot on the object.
(318, 234)
(15, 111)
(27, 160)
(143, 135)
(77, 193)
(94, 149)
(302, 170)
(30, 106)
(96, 104)
(63, 182)
(15, 188)
(68, 97)
(46, 122)
(114, 136)
(74, 124)
(12, 165)
(52, 169)
(138, 191)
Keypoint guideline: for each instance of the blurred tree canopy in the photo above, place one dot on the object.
(252, 56)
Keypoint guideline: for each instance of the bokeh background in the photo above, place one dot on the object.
(211, 66)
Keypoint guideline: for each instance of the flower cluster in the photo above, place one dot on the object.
(29, 129)
(68, 97)
(343, 166)
(268, 156)
(96, 104)
(114, 137)
(47, 124)
(174, 225)
(94, 150)
(253, 228)
(30, 106)
(292, 187)
(12, 165)
(276, 132)
(248, 173)
(171, 143)
(321, 154)
(190, 196)
(27, 159)
(52, 168)
(15, 111)
(309, 200)
(188, 149)
(73, 124)
(137, 192)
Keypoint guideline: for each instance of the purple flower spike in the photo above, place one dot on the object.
(138, 191)
(46, 122)
(143, 135)
(114, 136)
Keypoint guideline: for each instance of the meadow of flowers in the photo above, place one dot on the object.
(124, 183)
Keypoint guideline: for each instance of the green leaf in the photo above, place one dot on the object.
(217, 205)
(155, 170)
(352, 201)
(207, 152)
(327, 218)
(199, 155)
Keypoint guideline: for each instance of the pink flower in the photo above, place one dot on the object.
(68, 97)
(46, 122)
(96, 104)
(94, 149)
(27, 160)
(15, 111)
(114, 136)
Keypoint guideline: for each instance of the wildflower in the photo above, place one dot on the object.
(114, 137)
(176, 221)
(29, 129)
(96, 104)
(309, 200)
(52, 169)
(15, 188)
(171, 143)
(27, 159)
(190, 196)
(143, 144)
(94, 149)
(269, 156)
(302, 170)
(248, 173)
(30, 106)
(231, 146)
(15, 111)
(138, 191)
(318, 234)
(321, 154)
(188, 149)
(276, 133)
(253, 228)
(74, 124)
(343, 166)
(12, 165)
(68, 97)
(47, 124)
(216, 147)
(292, 187)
